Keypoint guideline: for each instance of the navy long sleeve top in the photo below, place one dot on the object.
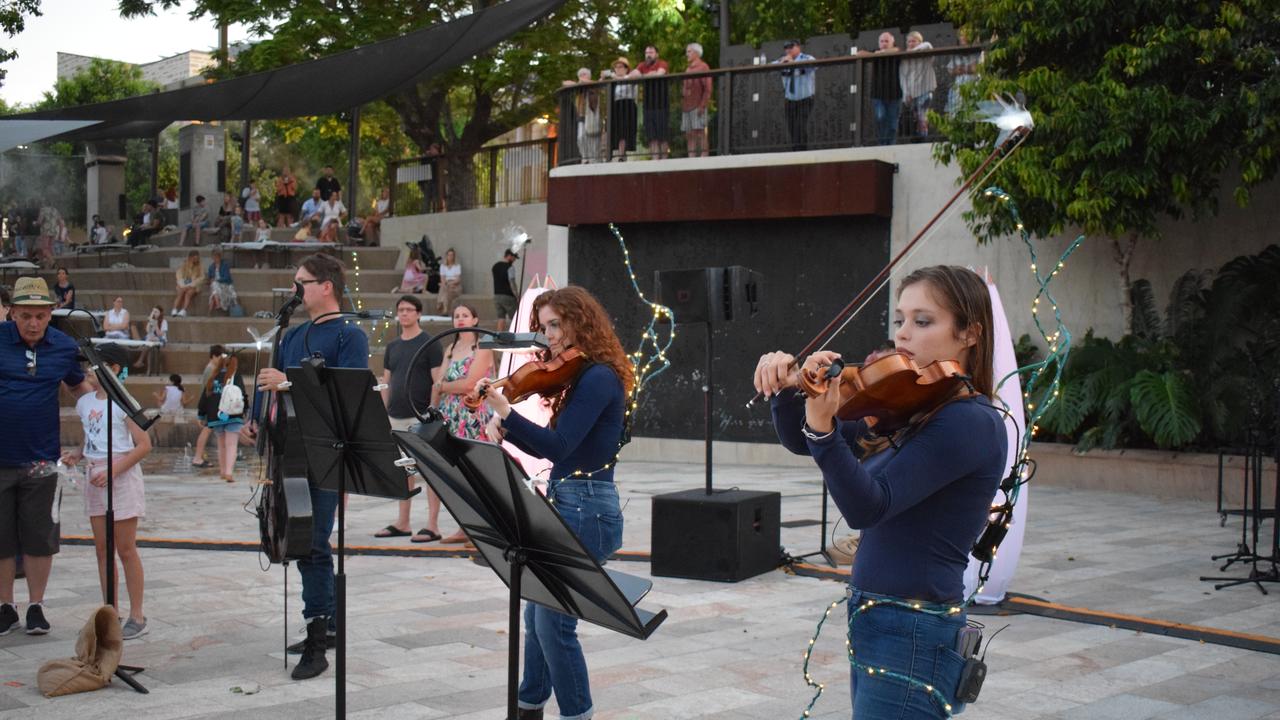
(921, 506)
(587, 432)
(340, 343)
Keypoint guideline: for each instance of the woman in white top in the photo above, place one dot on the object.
(116, 322)
(249, 199)
(332, 212)
(450, 282)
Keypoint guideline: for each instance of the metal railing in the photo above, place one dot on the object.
(497, 175)
(818, 104)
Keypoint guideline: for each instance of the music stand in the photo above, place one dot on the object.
(347, 435)
(524, 540)
(116, 395)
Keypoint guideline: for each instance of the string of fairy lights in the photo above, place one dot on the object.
(1038, 398)
(646, 364)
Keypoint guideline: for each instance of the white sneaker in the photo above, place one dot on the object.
(182, 313)
(173, 312)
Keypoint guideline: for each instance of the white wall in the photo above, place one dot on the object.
(476, 235)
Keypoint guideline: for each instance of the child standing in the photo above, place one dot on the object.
(129, 445)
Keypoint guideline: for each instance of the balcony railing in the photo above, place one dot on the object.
(849, 102)
(510, 174)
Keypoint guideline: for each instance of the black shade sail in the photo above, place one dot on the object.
(317, 87)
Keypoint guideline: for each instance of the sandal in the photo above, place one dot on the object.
(201, 464)
(457, 538)
(425, 535)
(228, 478)
(392, 531)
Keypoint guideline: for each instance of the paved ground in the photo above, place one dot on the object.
(427, 636)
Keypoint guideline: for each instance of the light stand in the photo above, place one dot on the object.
(116, 395)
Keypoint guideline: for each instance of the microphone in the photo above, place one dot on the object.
(292, 304)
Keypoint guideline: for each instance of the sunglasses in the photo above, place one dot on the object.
(31, 362)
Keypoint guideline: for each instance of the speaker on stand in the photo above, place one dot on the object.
(726, 535)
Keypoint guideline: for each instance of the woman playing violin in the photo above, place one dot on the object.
(581, 442)
(920, 501)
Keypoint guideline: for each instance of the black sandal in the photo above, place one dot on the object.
(425, 536)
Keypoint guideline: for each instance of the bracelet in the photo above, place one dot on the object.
(813, 434)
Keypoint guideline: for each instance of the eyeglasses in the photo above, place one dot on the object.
(31, 362)
(307, 282)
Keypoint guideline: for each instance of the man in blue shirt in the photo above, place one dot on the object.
(341, 345)
(797, 88)
(34, 360)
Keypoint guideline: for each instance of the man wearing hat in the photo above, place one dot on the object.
(504, 287)
(797, 89)
(34, 360)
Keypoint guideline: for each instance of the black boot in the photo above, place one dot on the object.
(313, 662)
(525, 714)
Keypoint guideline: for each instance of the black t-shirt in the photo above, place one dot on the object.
(398, 355)
(502, 278)
(62, 293)
(884, 78)
(326, 186)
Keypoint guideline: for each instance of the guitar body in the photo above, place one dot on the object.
(284, 506)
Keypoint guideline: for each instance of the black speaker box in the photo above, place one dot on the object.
(692, 295)
(729, 535)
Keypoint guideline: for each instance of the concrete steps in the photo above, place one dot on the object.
(140, 302)
(88, 280)
(379, 258)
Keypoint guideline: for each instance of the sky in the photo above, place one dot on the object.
(95, 28)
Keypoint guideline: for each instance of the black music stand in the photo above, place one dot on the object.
(116, 395)
(347, 436)
(524, 540)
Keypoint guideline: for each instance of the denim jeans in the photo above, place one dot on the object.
(887, 112)
(317, 570)
(916, 644)
(552, 654)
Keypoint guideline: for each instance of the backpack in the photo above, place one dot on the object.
(232, 400)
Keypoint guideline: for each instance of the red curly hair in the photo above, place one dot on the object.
(592, 333)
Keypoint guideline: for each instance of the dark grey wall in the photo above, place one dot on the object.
(811, 268)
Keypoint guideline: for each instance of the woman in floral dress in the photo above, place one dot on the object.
(463, 366)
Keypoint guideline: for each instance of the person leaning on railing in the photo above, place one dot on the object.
(695, 97)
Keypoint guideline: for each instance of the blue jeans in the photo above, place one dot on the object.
(887, 112)
(317, 570)
(552, 654)
(915, 644)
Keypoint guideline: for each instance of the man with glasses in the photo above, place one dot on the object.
(34, 360)
(341, 345)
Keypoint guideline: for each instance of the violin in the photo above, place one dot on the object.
(888, 391)
(545, 378)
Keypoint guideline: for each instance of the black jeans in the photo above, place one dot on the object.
(798, 122)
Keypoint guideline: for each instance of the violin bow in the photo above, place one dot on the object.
(1015, 139)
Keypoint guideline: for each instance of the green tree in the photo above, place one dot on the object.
(13, 19)
(504, 88)
(1143, 109)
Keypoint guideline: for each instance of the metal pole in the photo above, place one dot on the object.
(706, 421)
(724, 30)
(353, 163)
(155, 165)
(244, 157)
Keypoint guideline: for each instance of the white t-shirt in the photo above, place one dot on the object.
(250, 198)
(115, 318)
(451, 272)
(92, 411)
(172, 400)
(332, 211)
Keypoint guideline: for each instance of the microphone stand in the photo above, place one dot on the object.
(116, 395)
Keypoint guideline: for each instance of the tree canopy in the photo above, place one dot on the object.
(1143, 110)
(13, 19)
